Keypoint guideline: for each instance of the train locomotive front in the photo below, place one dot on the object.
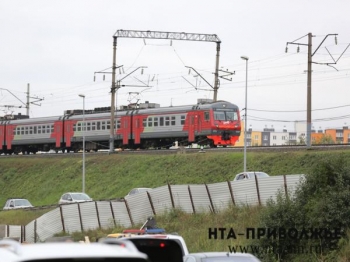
(225, 124)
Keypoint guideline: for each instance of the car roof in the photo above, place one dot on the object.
(18, 198)
(218, 254)
(222, 254)
(28, 252)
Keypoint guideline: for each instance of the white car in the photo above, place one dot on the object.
(250, 175)
(140, 240)
(16, 203)
(220, 256)
(74, 197)
(138, 190)
(12, 251)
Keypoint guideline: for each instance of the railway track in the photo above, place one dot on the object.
(197, 150)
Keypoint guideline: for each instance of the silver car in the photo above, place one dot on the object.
(220, 257)
(250, 175)
(74, 197)
(16, 203)
(138, 190)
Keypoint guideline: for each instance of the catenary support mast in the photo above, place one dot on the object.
(157, 35)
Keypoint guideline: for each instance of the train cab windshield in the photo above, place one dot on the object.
(225, 115)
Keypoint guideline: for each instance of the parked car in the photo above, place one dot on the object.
(220, 256)
(138, 190)
(158, 248)
(250, 175)
(12, 251)
(16, 203)
(74, 197)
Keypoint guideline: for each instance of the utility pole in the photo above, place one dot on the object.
(216, 79)
(113, 94)
(27, 104)
(309, 77)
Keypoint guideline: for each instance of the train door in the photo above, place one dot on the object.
(125, 129)
(58, 133)
(9, 135)
(68, 132)
(137, 128)
(194, 125)
(2, 135)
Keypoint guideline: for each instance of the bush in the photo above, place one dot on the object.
(319, 211)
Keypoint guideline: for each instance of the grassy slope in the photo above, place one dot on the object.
(43, 180)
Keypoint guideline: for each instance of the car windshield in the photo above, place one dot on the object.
(22, 202)
(80, 196)
(259, 174)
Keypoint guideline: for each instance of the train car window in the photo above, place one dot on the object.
(108, 125)
(79, 127)
(144, 122)
(93, 126)
(39, 129)
(26, 130)
(183, 119)
(118, 124)
(98, 125)
(88, 126)
(48, 129)
(206, 115)
(161, 121)
(52, 129)
(167, 121)
(150, 121)
(35, 131)
(155, 121)
(103, 125)
(30, 130)
(173, 121)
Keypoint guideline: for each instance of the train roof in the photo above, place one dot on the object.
(155, 110)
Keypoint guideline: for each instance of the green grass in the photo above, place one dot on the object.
(44, 180)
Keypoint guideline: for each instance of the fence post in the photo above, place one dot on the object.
(171, 196)
(285, 186)
(62, 220)
(110, 203)
(231, 192)
(80, 218)
(129, 213)
(257, 189)
(151, 203)
(193, 208)
(35, 234)
(211, 202)
(98, 215)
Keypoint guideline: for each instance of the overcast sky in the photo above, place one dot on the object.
(56, 46)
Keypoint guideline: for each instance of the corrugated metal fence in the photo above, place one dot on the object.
(136, 208)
